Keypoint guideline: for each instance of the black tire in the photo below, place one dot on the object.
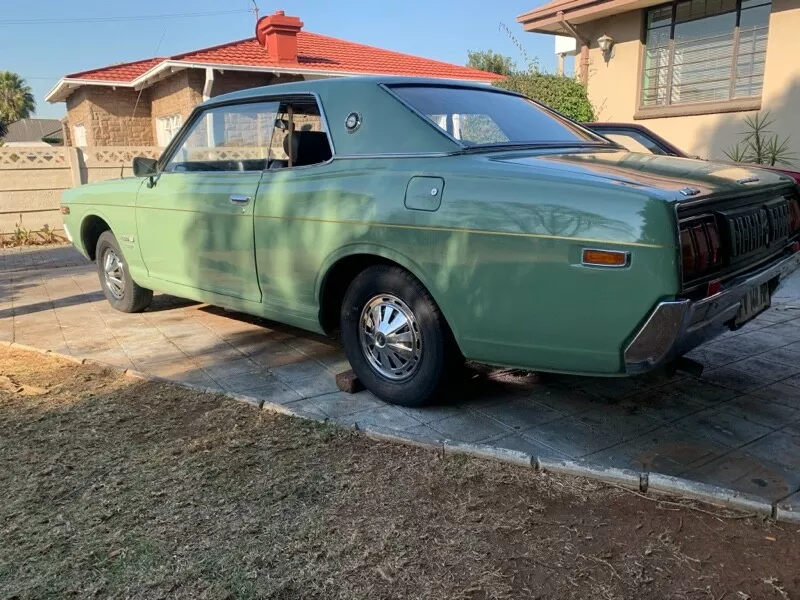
(438, 351)
(129, 297)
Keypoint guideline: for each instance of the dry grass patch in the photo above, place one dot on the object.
(112, 487)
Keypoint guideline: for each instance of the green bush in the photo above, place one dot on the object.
(564, 94)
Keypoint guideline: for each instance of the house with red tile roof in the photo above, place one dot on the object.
(145, 102)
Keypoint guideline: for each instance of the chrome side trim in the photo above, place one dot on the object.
(675, 327)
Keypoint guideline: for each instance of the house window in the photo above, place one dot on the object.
(705, 51)
(79, 135)
(166, 128)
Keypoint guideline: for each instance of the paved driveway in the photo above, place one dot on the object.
(738, 426)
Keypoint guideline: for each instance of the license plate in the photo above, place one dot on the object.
(755, 302)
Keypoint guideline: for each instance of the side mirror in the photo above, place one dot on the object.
(145, 167)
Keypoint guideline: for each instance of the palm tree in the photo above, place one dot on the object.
(16, 99)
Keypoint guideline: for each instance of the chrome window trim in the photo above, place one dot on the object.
(386, 88)
(300, 168)
(396, 155)
(389, 89)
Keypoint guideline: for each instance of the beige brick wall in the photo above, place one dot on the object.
(108, 116)
(107, 113)
(176, 95)
(224, 83)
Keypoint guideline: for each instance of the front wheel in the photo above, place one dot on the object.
(395, 337)
(122, 292)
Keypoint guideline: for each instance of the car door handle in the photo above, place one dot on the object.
(240, 199)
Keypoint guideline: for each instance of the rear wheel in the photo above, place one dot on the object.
(120, 289)
(395, 336)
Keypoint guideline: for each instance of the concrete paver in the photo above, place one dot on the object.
(737, 426)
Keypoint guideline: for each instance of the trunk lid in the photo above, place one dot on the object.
(667, 174)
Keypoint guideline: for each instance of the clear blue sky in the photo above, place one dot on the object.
(444, 30)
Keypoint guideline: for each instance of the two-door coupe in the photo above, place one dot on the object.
(431, 221)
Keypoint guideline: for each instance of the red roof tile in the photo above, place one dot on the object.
(315, 53)
(121, 72)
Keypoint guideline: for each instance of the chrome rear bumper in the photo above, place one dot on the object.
(675, 327)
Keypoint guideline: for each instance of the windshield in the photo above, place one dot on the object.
(485, 117)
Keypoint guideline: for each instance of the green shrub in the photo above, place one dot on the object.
(564, 94)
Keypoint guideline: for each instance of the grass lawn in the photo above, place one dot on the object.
(113, 487)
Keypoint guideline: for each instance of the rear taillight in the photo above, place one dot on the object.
(701, 251)
(794, 215)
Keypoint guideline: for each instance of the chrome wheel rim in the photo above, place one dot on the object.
(390, 337)
(114, 274)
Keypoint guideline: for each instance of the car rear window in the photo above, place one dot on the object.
(477, 117)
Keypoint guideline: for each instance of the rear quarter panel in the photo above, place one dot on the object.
(501, 256)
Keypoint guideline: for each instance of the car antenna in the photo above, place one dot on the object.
(139, 96)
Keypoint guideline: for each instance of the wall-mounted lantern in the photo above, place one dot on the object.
(606, 43)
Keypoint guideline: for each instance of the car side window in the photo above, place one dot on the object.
(227, 138)
(299, 138)
(634, 141)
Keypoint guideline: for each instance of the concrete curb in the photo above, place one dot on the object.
(276, 408)
(16, 346)
(786, 511)
(624, 477)
(643, 481)
(513, 457)
(381, 434)
(245, 399)
(786, 516)
(69, 357)
(136, 374)
(709, 493)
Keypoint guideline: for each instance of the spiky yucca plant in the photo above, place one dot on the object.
(760, 146)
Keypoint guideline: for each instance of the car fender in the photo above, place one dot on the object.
(389, 254)
(91, 212)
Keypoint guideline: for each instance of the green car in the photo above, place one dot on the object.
(429, 222)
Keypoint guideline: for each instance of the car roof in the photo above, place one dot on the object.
(347, 85)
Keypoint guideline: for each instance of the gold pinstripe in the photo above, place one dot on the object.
(418, 227)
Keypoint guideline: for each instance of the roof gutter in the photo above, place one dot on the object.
(66, 83)
(208, 84)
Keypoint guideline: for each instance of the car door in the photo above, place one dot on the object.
(195, 221)
(299, 200)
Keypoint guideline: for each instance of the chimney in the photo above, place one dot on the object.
(278, 34)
